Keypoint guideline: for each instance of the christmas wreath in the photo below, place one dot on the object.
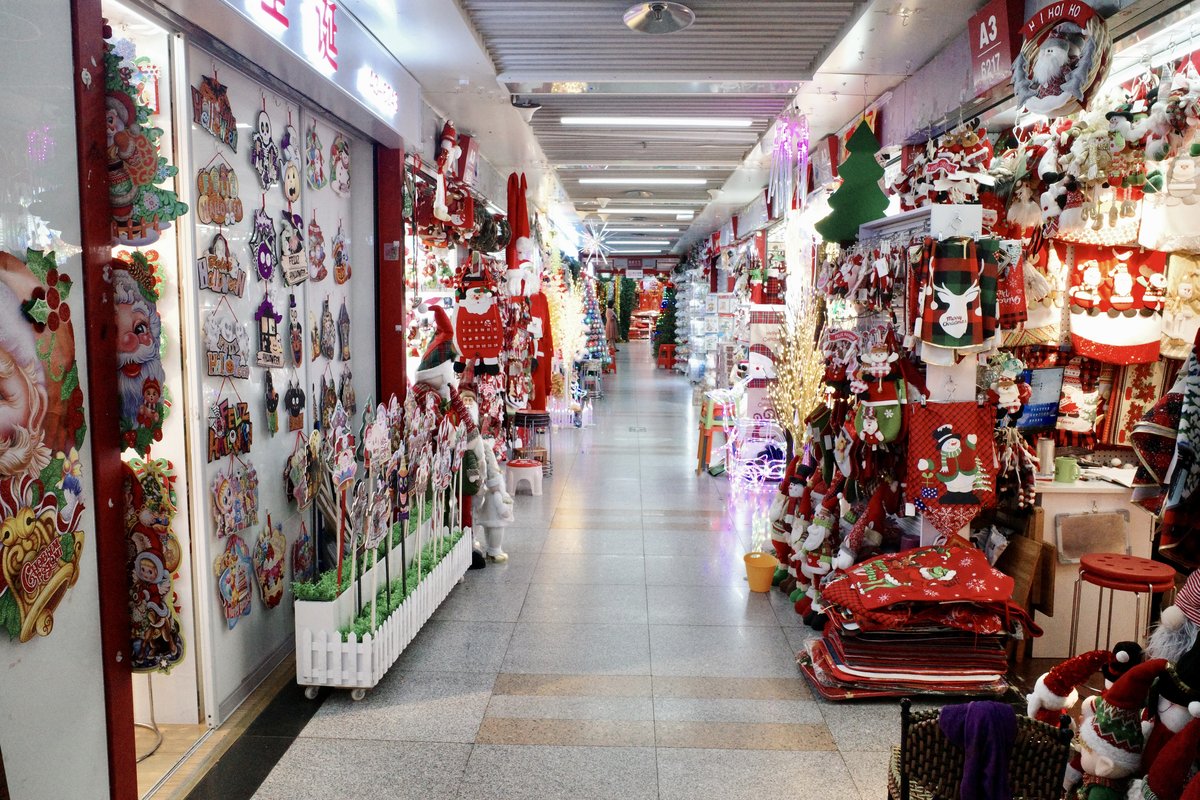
(1064, 60)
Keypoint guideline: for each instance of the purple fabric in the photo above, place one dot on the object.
(985, 730)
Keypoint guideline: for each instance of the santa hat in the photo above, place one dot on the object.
(518, 217)
(1169, 773)
(1124, 657)
(1055, 691)
(441, 350)
(1116, 732)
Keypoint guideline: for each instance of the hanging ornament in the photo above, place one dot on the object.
(293, 404)
(327, 330)
(264, 245)
(289, 153)
(227, 345)
(264, 153)
(346, 392)
(140, 209)
(315, 157)
(1064, 59)
(270, 342)
(41, 475)
(212, 112)
(232, 569)
(219, 270)
(328, 402)
(295, 332)
(217, 200)
(136, 282)
(293, 258)
(272, 405)
(343, 328)
(234, 495)
(341, 257)
(304, 566)
(270, 550)
(230, 430)
(314, 335)
(316, 251)
(339, 165)
(156, 642)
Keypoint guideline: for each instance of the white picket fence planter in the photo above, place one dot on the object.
(323, 659)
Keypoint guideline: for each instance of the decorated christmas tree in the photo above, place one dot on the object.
(860, 198)
(593, 320)
(664, 326)
(626, 303)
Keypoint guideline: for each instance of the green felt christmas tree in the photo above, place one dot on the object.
(859, 199)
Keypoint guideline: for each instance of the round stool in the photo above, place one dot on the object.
(1118, 572)
(527, 470)
(536, 433)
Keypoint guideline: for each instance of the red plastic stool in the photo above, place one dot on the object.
(666, 356)
(1118, 572)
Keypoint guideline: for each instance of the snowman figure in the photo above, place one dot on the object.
(957, 470)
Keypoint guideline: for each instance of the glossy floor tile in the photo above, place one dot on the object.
(618, 654)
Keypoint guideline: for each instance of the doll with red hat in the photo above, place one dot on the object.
(1168, 778)
(1175, 698)
(1112, 736)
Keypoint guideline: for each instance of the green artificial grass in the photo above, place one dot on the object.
(325, 588)
(431, 556)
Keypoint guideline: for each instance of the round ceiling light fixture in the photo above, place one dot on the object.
(659, 18)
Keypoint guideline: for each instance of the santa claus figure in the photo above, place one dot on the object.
(478, 329)
(521, 252)
(23, 398)
(138, 343)
(1053, 65)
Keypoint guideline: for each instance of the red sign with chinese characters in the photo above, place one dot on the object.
(993, 45)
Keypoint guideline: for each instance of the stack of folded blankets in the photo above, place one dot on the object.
(932, 620)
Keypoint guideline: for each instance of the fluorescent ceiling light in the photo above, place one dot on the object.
(657, 122)
(643, 230)
(646, 242)
(675, 212)
(645, 181)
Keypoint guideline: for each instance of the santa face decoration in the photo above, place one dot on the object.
(264, 245)
(264, 153)
(478, 329)
(141, 378)
(41, 431)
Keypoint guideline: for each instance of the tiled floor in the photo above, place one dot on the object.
(618, 654)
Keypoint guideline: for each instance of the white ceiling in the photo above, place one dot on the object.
(749, 58)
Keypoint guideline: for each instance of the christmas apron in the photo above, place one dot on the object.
(951, 462)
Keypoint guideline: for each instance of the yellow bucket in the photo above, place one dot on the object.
(760, 570)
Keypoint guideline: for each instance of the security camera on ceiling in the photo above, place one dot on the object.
(527, 107)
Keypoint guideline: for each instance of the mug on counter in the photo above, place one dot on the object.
(1066, 470)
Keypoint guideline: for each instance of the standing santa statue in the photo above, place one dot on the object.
(478, 329)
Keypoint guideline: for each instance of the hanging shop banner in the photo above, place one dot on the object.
(993, 45)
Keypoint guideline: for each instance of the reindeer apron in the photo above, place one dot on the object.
(958, 300)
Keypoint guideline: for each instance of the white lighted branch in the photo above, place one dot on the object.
(657, 122)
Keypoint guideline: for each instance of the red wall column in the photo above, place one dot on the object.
(103, 412)
(389, 276)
